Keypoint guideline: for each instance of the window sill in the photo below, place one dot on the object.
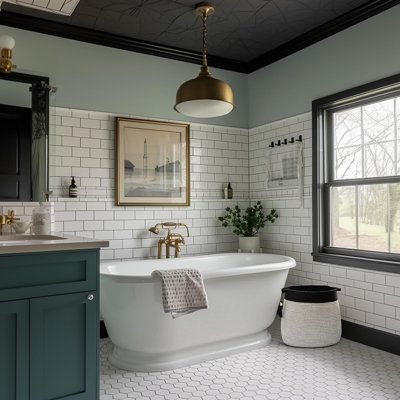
(375, 264)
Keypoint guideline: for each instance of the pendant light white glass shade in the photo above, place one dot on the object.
(204, 97)
(204, 108)
(7, 42)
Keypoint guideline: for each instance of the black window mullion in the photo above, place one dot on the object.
(329, 147)
(373, 98)
(388, 216)
(327, 226)
(356, 212)
(379, 180)
(362, 143)
(395, 136)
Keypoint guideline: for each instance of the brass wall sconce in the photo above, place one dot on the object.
(7, 44)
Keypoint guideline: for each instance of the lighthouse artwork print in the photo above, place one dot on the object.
(152, 163)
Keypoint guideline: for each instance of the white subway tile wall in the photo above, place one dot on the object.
(367, 297)
(82, 145)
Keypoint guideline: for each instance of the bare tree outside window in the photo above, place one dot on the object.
(366, 144)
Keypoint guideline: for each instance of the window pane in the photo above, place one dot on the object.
(366, 217)
(365, 141)
(348, 162)
(347, 144)
(394, 217)
(373, 217)
(347, 127)
(379, 159)
(343, 218)
(378, 121)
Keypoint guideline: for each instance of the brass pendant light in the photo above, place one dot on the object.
(204, 96)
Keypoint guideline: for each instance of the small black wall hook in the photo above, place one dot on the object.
(285, 141)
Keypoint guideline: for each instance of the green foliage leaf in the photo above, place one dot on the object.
(248, 223)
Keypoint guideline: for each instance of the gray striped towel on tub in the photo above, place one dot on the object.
(183, 291)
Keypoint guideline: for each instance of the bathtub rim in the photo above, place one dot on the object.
(286, 263)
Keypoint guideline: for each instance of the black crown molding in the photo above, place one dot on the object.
(67, 31)
(336, 25)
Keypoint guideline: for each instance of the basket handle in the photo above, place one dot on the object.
(280, 308)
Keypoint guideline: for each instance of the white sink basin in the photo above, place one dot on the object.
(27, 238)
(27, 243)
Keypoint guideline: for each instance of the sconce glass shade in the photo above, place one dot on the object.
(7, 42)
(204, 97)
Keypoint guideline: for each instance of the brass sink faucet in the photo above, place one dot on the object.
(171, 240)
(7, 219)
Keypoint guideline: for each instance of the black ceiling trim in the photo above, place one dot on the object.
(336, 25)
(24, 78)
(60, 29)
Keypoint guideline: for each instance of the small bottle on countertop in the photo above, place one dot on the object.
(73, 190)
(230, 191)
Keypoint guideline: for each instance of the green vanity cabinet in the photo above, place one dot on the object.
(14, 350)
(49, 326)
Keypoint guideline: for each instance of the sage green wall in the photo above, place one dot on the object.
(99, 78)
(363, 53)
(15, 94)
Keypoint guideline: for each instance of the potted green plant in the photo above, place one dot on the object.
(247, 225)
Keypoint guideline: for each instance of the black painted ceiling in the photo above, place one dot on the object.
(240, 30)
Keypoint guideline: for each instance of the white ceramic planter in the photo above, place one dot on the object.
(249, 244)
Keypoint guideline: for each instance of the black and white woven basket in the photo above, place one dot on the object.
(310, 316)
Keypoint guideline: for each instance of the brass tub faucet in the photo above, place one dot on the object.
(171, 240)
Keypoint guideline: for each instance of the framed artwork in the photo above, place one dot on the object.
(152, 163)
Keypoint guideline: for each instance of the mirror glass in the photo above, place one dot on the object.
(24, 115)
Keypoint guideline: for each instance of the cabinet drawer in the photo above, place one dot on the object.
(41, 274)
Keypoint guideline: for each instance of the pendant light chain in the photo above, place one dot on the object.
(204, 40)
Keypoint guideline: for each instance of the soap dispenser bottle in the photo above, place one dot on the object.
(73, 189)
(230, 191)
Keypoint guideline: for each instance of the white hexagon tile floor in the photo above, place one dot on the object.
(347, 371)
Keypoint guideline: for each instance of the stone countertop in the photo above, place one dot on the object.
(56, 241)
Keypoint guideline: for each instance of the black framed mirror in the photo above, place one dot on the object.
(24, 137)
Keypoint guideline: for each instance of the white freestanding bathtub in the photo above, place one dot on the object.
(243, 293)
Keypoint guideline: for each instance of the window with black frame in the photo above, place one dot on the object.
(356, 177)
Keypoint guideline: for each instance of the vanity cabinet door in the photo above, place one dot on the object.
(64, 347)
(14, 350)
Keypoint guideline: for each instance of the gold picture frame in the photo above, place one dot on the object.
(152, 163)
